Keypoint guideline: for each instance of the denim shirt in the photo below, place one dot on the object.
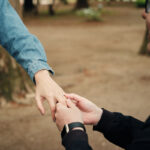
(22, 45)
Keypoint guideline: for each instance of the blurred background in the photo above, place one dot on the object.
(97, 49)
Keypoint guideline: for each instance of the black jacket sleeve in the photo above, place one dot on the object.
(117, 128)
(76, 140)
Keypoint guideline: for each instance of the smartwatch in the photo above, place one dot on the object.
(68, 127)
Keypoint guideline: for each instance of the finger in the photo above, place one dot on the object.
(74, 97)
(74, 101)
(58, 106)
(60, 96)
(52, 104)
(39, 101)
(70, 104)
(61, 99)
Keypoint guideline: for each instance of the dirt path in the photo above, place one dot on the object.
(97, 60)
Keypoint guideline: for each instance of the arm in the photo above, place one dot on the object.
(28, 51)
(117, 128)
(76, 138)
(16, 39)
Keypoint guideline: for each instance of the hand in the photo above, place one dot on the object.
(65, 115)
(90, 112)
(47, 89)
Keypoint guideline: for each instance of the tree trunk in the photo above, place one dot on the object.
(143, 49)
(13, 79)
(81, 4)
(28, 6)
(51, 10)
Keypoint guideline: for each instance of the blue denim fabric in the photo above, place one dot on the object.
(16, 39)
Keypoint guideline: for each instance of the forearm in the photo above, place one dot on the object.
(23, 46)
(117, 128)
(76, 140)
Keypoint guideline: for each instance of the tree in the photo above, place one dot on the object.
(28, 6)
(13, 79)
(16, 5)
(143, 49)
(82, 4)
(51, 8)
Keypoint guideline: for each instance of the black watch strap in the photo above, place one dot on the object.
(68, 127)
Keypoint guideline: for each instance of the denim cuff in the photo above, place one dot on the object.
(37, 66)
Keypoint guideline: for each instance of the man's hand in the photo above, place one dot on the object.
(90, 112)
(146, 16)
(47, 89)
(65, 115)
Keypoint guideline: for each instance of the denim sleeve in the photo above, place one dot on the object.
(16, 39)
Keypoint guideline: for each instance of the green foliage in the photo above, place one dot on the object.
(140, 3)
(90, 14)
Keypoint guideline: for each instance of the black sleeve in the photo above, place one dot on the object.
(117, 128)
(76, 140)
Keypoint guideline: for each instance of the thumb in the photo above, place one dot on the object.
(74, 97)
(70, 104)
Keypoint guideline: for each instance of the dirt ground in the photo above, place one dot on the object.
(97, 60)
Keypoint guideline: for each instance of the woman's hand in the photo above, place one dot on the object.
(48, 89)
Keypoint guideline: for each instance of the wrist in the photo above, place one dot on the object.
(72, 126)
(98, 115)
(42, 75)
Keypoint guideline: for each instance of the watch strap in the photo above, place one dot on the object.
(68, 127)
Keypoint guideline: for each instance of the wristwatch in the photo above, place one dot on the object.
(68, 127)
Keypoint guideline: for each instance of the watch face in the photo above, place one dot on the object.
(67, 128)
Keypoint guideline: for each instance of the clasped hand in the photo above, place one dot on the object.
(78, 109)
(65, 108)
